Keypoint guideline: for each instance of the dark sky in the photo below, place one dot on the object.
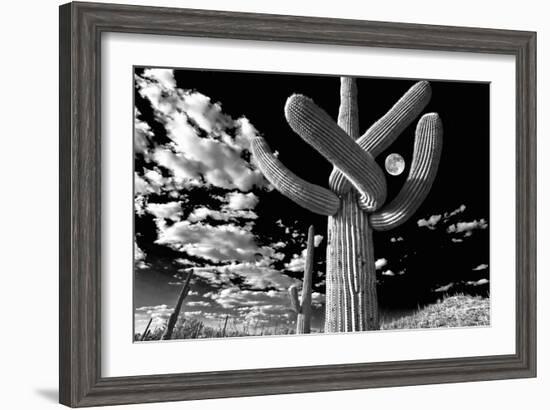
(447, 254)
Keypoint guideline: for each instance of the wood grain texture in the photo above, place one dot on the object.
(81, 25)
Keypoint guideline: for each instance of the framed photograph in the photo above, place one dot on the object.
(260, 204)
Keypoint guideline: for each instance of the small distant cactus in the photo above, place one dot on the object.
(175, 314)
(354, 203)
(144, 334)
(303, 309)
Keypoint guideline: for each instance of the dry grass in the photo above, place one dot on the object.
(453, 311)
(195, 329)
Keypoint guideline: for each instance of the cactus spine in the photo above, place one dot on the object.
(303, 309)
(354, 203)
(175, 314)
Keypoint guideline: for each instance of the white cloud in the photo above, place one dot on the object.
(380, 263)
(139, 257)
(198, 303)
(214, 158)
(397, 239)
(429, 223)
(467, 227)
(170, 210)
(457, 211)
(252, 274)
(297, 263)
(317, 299)
(388, 273)
(163, 76)
(217, 243)
(233, 297)
(278, 245)
(160, 315)
(483, 266)
(444, 288)
(239, 201)
(478, 282)
(317, 239)
(201, 213)
(142, 135)
(182, 167)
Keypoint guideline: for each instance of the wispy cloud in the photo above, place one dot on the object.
(444, 288)
(429, 223)
(478, 282)
(466, 228)
(454, 212)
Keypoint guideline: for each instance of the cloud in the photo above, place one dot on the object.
(182, 167)
(380, 263)
(429, 223)
(239, 201)
(139, 257)
(198, 303)
(202, 148)
(159, 313)
(388, 273)
(170, 210)
(317, 299)
(467, 227)
(478, 282)
(201, 213)
(163, 76)
(483, 266)
(444, 288)
(216, 243)
(398, 238)
(317, 239)
(142, 135)
(253, 275)
(297, 263)
(233, 297)
(457, 211)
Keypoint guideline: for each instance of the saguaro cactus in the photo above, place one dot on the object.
(303, 309)
(354, 203)
(174, 316)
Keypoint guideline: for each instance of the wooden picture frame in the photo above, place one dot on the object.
(81, 27)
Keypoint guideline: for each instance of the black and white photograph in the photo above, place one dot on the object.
(280, 204)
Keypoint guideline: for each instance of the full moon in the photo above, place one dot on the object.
(395, 164)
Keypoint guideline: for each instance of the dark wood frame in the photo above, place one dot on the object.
(81, 27)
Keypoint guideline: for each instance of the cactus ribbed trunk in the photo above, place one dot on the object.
(351, 300)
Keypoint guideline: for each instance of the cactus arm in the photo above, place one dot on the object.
(386, 130)
(320, 131)
(294, 301)
(348, 115)
(310, 196)
(427, 151)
